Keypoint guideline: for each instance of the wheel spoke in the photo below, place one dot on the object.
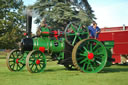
(13, 55)
(79, 38)
(79, 28)
(83, 60)
(32, 66)
(31, 63)
(98, 62)
(80, 50)
(88, 65)
(12, 66)
(97, 57)
(90, 47)
(16, 54)
(95, 46)
(41, 60)
(35, 68)
(33, 56)
(92, 67)
(39, 56)
(85, 49)
(32, 60)
(71, 34)
(11, 60)
(40, 65)
(73, 28)
(82, 54)
(17, 67)
(84, 65)
(80, 58)
(21, 65)
(84, 33)
(94, 63)
(100, 53)
(74, 40)
(99, 49)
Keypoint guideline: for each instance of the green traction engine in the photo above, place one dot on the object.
(71, 48)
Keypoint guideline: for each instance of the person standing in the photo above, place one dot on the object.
(94, 30)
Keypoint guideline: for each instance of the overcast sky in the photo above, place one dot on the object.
(109, 13)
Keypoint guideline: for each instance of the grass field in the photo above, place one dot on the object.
(57, 75)
(3, 54)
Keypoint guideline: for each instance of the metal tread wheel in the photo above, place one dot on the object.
(89, 55)
(35, 61)
(13, 60)
(75, 32)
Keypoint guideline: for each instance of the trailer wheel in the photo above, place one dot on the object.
(35, 61)
(13, 60)
(89, 55)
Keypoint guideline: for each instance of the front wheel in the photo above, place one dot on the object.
(35, 61)
(13, 60)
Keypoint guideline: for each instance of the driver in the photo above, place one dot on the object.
(94, 30)
(42, 24)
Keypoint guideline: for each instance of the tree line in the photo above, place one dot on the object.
(11, 23)
(58, 14)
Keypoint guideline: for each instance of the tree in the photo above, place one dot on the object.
(85, 6)
(60, 12)
(11, 23)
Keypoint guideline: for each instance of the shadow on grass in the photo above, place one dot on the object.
(105, 70)
(52, 70)
(58, 69)
(113, 70)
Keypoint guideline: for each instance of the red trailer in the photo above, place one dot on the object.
(114, 28)
(120, 37)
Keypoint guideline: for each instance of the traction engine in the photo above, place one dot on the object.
(72, 48)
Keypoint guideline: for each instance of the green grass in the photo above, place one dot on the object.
(57, 75)
(3, 54)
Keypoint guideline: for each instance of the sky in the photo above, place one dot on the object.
(34, 26)
(109, 13)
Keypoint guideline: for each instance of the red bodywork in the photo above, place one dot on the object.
(120, 38)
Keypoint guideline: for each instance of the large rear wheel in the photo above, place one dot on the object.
(74, 32)
(89, 55)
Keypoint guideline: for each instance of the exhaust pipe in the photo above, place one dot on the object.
(29, 23)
